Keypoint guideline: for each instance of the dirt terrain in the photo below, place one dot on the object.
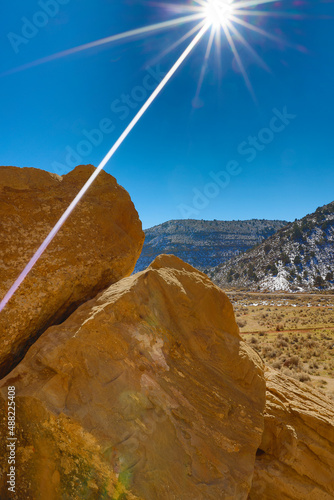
(293, 333)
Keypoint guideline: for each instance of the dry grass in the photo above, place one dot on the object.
(293, 334)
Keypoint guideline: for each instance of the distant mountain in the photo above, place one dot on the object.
(299, 256)
(204, 244)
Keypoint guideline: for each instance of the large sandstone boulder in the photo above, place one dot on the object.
(98, 245)
(153, 383)
(295, 460)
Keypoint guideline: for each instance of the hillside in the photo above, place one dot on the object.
(204, 244)
(299, 256)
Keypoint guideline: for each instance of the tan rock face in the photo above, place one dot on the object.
(57, 459)
(296, 457)
(157, 384)
(98, 245)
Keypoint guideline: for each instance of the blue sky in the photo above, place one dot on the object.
(171, 161)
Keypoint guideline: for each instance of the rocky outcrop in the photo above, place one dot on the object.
(153, 383)
(295, 460)
(98, 245)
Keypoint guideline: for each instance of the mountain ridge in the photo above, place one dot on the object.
(299, 257)
(204, 244)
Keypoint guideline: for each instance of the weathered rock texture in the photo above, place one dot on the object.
(98, 245)
(295, 460)
(152, 381)
(56, 459)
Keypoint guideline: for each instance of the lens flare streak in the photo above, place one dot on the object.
(239, 61)
(219, 15)
(252, 3)
(250, 49)
(145, 30)
(205, 64)
(177, 43)
(103, 163)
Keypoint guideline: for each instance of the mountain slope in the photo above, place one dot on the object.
(204, 244)
(299, 256)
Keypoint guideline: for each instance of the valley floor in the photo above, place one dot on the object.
(293, 333)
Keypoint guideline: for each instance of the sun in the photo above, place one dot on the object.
(218, 12)
(218, 18)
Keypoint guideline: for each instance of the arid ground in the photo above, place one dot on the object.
(294, 333)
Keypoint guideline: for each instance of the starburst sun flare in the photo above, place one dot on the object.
(227, 19)
(218, 12)
(219, 17)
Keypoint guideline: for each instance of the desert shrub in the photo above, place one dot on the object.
(319, 282)
(297, 260)
(281, 343)
(268, 352)
(285, 259)
(251, 273)
(291, 276)
(304, 377)
(297, 233)
(267, 248)
(241, 323)
(329, 276)
(289, 373)
(292, 361)
(272, 269)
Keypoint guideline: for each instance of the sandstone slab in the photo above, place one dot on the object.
(98, 245)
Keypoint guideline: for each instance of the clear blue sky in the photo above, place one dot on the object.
(166, 162)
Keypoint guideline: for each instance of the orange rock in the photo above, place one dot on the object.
(56, 459)
(98, 245)
(154, 372)
(296, 457)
